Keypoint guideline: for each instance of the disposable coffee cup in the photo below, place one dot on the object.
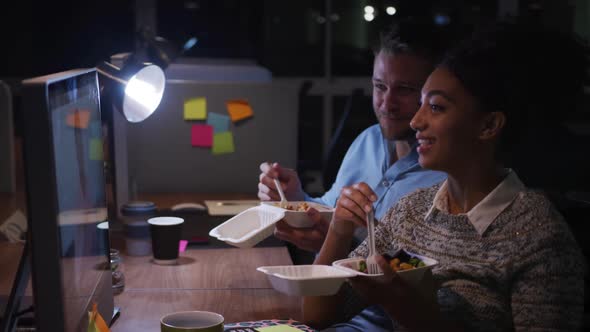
(103, 238)
(192, 321)
(165, 232)
(138, 240)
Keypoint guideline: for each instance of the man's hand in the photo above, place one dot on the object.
(289, 180)
(309, 238)
(352, 207)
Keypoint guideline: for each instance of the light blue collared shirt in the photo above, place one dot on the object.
(367, 160)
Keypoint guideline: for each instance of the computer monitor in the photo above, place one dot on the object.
(66, 200)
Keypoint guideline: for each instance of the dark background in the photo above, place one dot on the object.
(40, 37)
(286, 36)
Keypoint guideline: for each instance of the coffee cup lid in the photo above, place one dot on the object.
(138, 208)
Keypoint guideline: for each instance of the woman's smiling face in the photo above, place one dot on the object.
(448, 124)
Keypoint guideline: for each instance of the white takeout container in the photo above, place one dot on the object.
(323, 280)
(300, 219)
(249, 227)
(412, 276)
(306, 280)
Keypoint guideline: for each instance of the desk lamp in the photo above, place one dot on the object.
(130, 93)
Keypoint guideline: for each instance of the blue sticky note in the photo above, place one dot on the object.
(219, 122)
(96, 129)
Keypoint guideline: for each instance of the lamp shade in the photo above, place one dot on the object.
(141, 87)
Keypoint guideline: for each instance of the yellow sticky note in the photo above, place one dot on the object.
(239, 110)
(195, 109)
(96, 149)
(278, 328)
(223, 143)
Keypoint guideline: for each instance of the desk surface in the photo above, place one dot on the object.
(9, 258)
(167, 200)
(205, 269)
(219, 280)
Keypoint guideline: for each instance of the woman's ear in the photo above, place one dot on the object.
(493, 124)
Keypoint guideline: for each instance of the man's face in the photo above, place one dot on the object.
(397, 80)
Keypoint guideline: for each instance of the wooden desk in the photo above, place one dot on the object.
(219, 280)
(167, 200)
(9, 259)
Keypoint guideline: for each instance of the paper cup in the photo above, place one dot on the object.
(165, 233)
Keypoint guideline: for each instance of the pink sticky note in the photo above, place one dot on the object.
(182, 245)
(202, 135)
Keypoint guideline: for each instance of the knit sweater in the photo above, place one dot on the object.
(524, 273)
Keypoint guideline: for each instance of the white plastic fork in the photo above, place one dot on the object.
(284, 203)
(372, 266)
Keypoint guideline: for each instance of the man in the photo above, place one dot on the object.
(384, 155)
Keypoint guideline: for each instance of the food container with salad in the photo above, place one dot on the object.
(408, 265)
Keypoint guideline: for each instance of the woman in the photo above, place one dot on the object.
(507, 259)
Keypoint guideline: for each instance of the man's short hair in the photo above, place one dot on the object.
(414, 36)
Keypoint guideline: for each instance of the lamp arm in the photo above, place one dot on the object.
(104, 69)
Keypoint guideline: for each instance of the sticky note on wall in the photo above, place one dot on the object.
(78, 119)
(239, 110)
(202, 135)
(95, 129)
(96, 149)
(223, 143)
(195, 108)
(219, 122)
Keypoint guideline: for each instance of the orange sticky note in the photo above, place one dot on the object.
(195, 109)
(78, 119)
(239, 110)
(95, 321)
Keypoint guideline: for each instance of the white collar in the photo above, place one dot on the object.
(485, 212)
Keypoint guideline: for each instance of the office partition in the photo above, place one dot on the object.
(162, 158)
